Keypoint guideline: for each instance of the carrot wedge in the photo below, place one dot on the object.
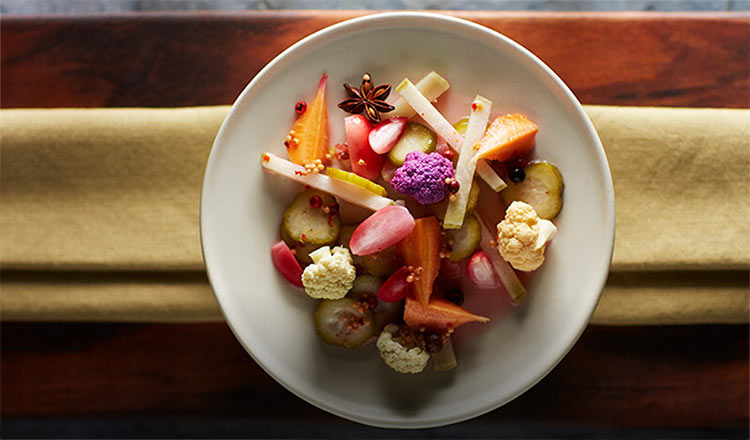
(508, 136)
(421, 249)
(308, 138)
(438, 315)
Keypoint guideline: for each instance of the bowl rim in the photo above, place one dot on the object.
(604, 170)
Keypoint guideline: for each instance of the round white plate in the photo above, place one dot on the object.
(241, 209)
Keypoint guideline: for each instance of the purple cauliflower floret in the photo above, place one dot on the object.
(422, 176)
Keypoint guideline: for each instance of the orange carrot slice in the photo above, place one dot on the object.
(508, 136)
(438, 315)
(421, 248)
(308, 138)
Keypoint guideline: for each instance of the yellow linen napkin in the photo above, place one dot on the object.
(99, 214)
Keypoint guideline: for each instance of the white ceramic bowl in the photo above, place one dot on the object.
(241, 208)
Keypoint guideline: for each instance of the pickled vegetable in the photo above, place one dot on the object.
(302, 251)
(306, 221)
(445, 359)
(344, 322)
(416, 137)
(463, 242)
(541, 188)
(365, 290)
(352, 178)
(383, 263)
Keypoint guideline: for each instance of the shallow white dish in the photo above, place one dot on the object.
(241, 208)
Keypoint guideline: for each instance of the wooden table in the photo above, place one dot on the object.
(195, 379)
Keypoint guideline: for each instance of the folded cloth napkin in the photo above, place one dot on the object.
(99, 214)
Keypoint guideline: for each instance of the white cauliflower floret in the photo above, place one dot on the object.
(522, 237)
(398, 357)
(331, 276)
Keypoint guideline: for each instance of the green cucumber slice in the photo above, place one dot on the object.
(416, 137)
(304, 224)
(542, 189)
(465, 240)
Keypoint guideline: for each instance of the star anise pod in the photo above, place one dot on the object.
(368, 98)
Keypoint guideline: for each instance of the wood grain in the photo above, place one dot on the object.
(637, 377)
(187, 59)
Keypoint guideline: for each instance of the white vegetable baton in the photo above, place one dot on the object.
(489, 175)
(338, 188)
(444, 129)
(431, 86)
(480, 114)
(429, 113)
(507, 276)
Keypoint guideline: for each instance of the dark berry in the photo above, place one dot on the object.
(433, 342)
(448, 154)
(517, 175)
(453, 186)
(454, 295)
(316, 202)
(300, 107)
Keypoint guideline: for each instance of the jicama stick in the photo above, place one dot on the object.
(480, 114)
(347, 191)
(431, 86)
(489, 175)
(429, 113)
(444, 129)
(507, 276)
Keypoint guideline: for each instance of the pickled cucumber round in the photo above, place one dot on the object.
(464, 241)
(461, 125)
(302, 251)
(366, 290)
(542, 188)
(306, 222)
(416, 137)
(344, 322)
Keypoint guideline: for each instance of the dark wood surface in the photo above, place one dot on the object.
(207, 58)
(634, 377)
(693, 379)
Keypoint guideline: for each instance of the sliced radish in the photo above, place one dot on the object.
(383, 229)
(338, 188)
(385, 135)
(395, 287)
(480, 271)
(285, 263)
(365, 162)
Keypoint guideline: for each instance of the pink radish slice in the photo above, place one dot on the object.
(480, 271)
(386, 227)
(395, 287)
(284, 262)
(385, 135)
(365, 162)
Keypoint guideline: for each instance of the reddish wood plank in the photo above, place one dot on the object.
(636, 377)
(184, 59)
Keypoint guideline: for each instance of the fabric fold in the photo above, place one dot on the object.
(99, 214)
